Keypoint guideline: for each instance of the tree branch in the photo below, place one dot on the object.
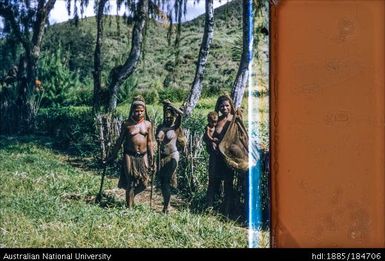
(38, 27)
(240, 82)
(120, 73)
(207, 38)
(97, 73)
(7, 12)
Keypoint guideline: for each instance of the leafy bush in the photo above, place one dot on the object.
(61, 87)
(71, 127)
(151, 96)
(193, 167)
(173, 94)
(211, 90)
(195, 123)
(126, 91)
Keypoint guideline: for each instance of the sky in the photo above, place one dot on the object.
(60, 14)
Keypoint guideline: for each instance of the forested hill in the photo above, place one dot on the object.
(159, 67)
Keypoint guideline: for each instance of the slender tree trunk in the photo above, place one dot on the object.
(241, 79)
(26, 108)
(208, 34)
(97, 73)
(178, 35)
(32, 54)
(120, 73)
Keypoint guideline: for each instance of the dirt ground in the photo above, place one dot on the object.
(117, 197)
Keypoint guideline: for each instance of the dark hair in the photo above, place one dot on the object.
(211, 115)
(223, 98)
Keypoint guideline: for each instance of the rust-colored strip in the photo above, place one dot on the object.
(328, 123)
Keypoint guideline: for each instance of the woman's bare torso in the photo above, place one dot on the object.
(169, 138)
(136, 138)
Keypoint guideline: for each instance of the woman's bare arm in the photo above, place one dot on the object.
(150, 144)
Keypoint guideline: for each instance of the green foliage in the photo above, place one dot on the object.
(195, 123)
(47, 202)
(61, 86)
(9, 52)
(72, 129)
(77, 44)
(126, 91)
(151, 96)
(173, 94)
(157, 71)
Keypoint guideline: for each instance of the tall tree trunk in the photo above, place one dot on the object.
(26, 107)
(208, 34)
(241, 79)
(121, 73)
(178, 35)
(97, 73)
(25, 100)
(32, 54)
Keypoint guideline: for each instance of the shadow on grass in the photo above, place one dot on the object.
(106, 201)
(86, 162)
(198, 205)
(109, 201)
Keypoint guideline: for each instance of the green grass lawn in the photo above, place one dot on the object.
(47, 202)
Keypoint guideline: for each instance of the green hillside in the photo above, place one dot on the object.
(157, 69)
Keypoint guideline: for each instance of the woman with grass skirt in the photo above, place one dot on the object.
(136, 136)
